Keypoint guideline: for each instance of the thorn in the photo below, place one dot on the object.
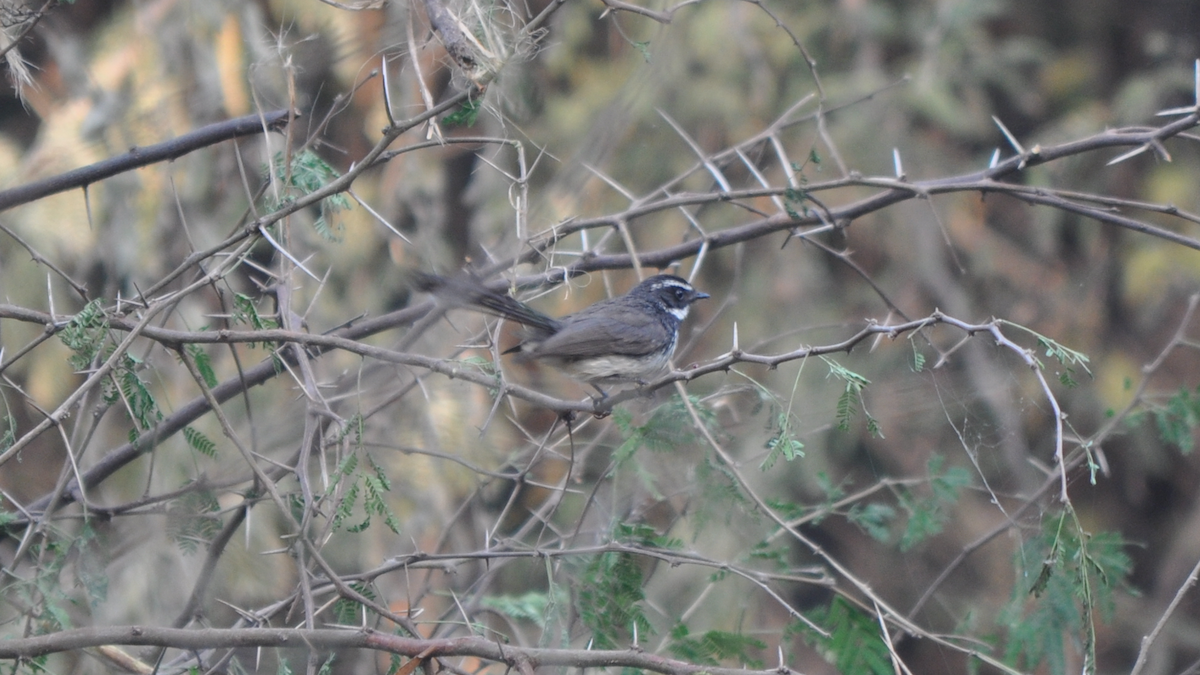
(1132, 153)
(896, 162)
(1161, 150)
(50, 296)
(1176, 111)
(995, 159)
(1008, 134)
(736, 348)
(141, 296)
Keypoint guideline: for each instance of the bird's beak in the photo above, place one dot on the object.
(701, 296)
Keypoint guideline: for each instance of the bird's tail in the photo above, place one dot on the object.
(467, 291)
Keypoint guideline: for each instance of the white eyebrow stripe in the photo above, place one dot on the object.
(671, 283)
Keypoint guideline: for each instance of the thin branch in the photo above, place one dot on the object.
(331, 639)
(1149, 639)
(139, 157)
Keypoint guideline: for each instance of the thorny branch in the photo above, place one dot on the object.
(894, 192)
(820, 213)
(524, 658)
(455, 370)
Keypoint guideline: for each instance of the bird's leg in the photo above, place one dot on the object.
(597, 401)
(643, 392)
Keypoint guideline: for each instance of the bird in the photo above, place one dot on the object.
(626, 339)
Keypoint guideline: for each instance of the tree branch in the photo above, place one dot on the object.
(330, 639)
(139, 157)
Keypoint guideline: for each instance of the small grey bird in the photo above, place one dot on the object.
(629, 338)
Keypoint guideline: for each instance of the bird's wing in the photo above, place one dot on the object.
(589, 333)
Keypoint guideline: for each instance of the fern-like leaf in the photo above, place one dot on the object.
(853, 645)
(197, 441)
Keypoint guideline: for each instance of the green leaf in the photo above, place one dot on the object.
(199, 442)
(873, 427)
(203, 364)
(245, 312)
(9, 437)
(851, 398)
(924, 521)
(85, 335)
(644, 49)
(37, 664)
(1067, 357)
(1074, 578)
(778, 556)
(349, 612)
(918, 364)
(192, 519)
(788, 510)
(377, 485)
(1062, 354)
(715, 646)
(721, 494)
(307, 174)
(875, 519)
(794, 197)
(465, 116)
(670, 427)
(91, 574)
(833, 492)
(609, 599)
(845, 409)
(531, 606)
(371, 484)
(854, 645)
(124, 386)
(928, 516)
(355, 425)
(347, 466)
(345, 509)
(49, 595)
(783, 444)
(640, 534)
(946, 484)
(1177, 420)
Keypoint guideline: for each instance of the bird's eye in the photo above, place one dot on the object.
(678, 293)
